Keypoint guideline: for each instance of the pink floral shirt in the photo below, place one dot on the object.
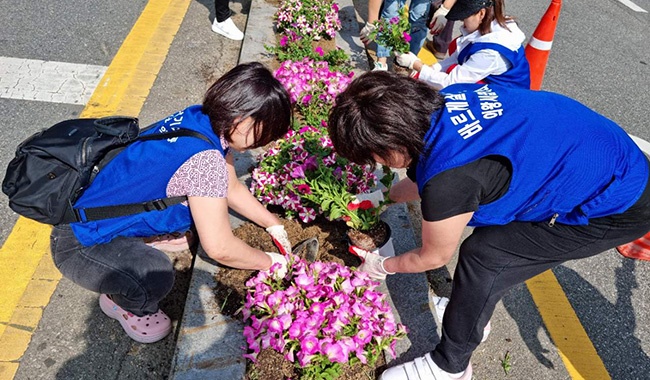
(203, 175)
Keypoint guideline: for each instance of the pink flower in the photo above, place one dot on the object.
(304, 188)
(319, 51)
(336, 352)
(309, 345)
(407, 37)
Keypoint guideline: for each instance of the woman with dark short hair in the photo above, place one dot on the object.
(542, 178)
(246, 108)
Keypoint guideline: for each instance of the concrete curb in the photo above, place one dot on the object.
(209, 344)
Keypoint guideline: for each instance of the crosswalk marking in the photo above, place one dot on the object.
(632, 6)
(48, 81)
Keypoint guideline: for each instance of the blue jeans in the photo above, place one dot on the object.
(418, 12)
(135, 275)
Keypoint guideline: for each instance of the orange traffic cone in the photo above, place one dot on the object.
(638, 249)
(539, 46)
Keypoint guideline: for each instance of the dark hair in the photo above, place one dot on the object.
(249, 90)
(381, 112)
(494, 12)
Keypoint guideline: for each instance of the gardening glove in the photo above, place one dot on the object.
(373, 264)
(280, 238)
(406, 59)
(282, 260)
(365, 32)
(439, 20)
(376, 197)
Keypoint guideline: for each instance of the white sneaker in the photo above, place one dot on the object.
(228, 29)
(440, 304)
(423, 369)
(380, 66)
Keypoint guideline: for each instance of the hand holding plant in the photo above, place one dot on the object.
(393, 33)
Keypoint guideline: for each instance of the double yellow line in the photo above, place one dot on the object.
(28, 277)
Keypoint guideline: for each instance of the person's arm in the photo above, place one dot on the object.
(404, 191)
(373, 10)
(373, 15)
(479, 65)
(243, 202)
(439, 242)
(439, 18)
(212, 223)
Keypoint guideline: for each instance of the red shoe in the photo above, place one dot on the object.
(146, 329)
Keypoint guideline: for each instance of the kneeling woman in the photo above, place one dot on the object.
(489, 50)
(246, 108)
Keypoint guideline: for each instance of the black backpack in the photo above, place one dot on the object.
(53, 167)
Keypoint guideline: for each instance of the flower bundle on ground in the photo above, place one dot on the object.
(319, 316)
(312, 87)
(394, 32)
(309, 18)
(302, 174)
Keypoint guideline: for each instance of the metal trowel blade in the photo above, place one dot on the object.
(307, 250)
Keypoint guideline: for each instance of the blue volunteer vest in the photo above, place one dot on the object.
(141, 173)
(517, 76)
(568, 161)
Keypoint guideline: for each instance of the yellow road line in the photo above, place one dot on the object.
(29, 276)
(574, 346)
(427, 57)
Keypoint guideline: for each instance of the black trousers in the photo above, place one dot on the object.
(222, 10)
(135, 275)
(494, 259)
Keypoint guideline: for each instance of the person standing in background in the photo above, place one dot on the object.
(223, 23)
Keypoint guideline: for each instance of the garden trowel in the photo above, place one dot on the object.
(307, 250)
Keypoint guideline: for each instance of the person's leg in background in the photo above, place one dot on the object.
(418, 19)
(390, 9)
(131, 277)
(223, 23)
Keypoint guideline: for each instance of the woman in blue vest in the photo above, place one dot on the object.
(542, 178)
(489, 50)
(245, 108)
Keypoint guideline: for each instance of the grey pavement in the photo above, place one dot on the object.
(76, 341)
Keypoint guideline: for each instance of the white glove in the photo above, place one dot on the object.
(280, 238)
(365, 32)
(376, 197)
(438, 20)
(373, 264)
(406, 59)
(276, 258)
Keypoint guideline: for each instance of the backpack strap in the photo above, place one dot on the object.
(107, 212)
(74, 215)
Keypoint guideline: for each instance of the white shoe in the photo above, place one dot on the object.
(440, 304)
(423, 369)
(228, 29)
(380, 66)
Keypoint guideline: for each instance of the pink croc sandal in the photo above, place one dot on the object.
(146, 329)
